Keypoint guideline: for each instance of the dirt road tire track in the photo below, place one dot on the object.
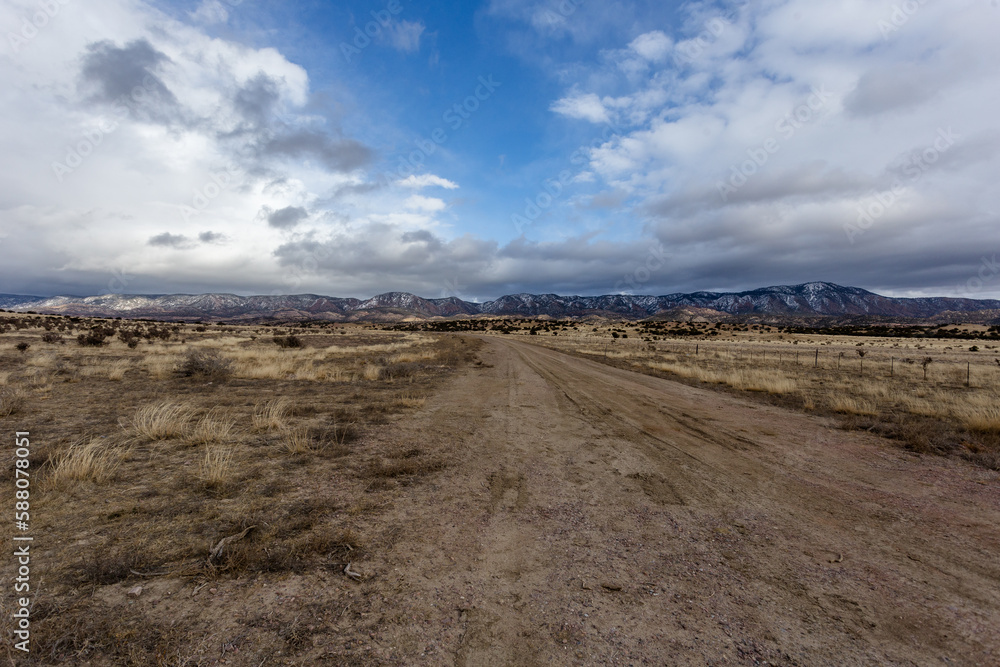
(590, 515)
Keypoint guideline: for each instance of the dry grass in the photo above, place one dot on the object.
(11, 401)
(159, 508)
(271, 363)
(213, 427)
(299, 441)
(95, 461)
(744, 379)
(217, 465)
(118, 369)
(161, 421)
(887, 395)
(271, 415)
(762, 380)
(411, 401)
(372, 372)
(853, 406)
(159, 363)
(979, 416)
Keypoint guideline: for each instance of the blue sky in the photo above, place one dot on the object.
(641, 147)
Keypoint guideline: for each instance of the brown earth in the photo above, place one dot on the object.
(545, 509)
(591, 515)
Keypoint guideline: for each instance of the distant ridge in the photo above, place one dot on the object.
(809, 299)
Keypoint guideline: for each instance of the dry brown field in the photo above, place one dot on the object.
(367, 495)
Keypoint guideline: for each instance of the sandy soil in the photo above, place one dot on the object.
(590, 515)
(579, 514)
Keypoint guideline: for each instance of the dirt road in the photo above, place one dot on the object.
(589, 515)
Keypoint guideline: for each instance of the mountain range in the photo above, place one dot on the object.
(809, 299)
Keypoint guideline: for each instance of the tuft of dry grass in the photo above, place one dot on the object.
(411, 401)
(161, 421)
(116, 372)
(95, 461)
(213, 427)
(217, 465)
(270, 415)
(770, 382)
(11, 401)
(984, 418)
(160, 364)
(299, 441)
(372, 372)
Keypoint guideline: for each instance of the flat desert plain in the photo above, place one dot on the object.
(382, 497)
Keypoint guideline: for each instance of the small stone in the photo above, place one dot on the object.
(135, 591)
(213, 591)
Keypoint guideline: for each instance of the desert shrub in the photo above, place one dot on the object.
(92, 339)
(51, 337)
(128, 337)
(287, 341)
(206, 364)
(22, 347)
(400, 370)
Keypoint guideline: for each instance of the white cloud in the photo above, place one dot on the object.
(426, 204)
(210, 11)
(584, 107)
(228, 131)
(822, 114)
(124, 126)
(405, 35)
(654, 46)
(427, 181)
